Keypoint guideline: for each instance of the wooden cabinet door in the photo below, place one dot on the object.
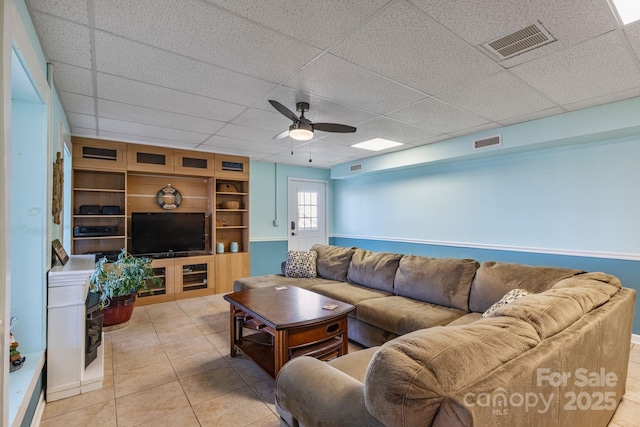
(229, 267)
(145, 158)
(194, 163)
(91, 153)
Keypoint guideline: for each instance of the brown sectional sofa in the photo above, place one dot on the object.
(433, 359)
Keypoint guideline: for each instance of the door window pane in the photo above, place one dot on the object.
(307, 211)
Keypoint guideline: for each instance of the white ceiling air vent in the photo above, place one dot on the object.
(532, 37)
(356, 167)
(492, 141)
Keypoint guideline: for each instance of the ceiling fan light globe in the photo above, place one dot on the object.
(301, 132)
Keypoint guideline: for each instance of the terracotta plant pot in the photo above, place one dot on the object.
(120, 310)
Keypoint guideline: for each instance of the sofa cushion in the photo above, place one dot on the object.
(466, 319)
(440, 281)
(333, 261)
(494, 279)
(548, 313)
(347, 292)
(409, 378)
(356, 364)
(375, 270)
(509, 297)
(554, 310)
(402, 315)
(301, 264)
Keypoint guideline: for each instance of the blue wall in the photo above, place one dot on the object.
(268, 189)
(580, 198)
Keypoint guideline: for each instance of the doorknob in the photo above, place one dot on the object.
(293, 234)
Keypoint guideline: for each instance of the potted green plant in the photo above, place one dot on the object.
(118, 283)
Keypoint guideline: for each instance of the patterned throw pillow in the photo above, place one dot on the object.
(509, 297)
(301, 264)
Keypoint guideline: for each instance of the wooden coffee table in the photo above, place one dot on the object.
(272, 326)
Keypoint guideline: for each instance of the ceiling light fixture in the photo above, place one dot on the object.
(627, 10)
(301, 131)
(377, 144)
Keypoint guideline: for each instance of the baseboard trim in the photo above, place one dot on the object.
(635, 339)
(37, 416)
(549, 251)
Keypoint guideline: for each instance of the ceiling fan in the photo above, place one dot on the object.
(302, 128)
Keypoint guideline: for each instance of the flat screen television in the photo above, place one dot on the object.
(167, 234)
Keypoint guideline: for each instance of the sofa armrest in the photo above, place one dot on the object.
(314, 393)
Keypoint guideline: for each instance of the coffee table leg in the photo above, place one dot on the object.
(345, 344)
(280, 351)
(232, 330)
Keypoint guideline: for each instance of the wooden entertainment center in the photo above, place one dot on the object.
(127, 178)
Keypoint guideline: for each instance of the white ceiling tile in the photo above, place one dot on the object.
(594, 68)
(125, 58)
(141, 139)
(437, 116)
(243, 145)
(632, 32)
(75, 10)
(149, 116)
(297, 159)
(482, 21)
(319, 23)
(75, 103)
(341, 81)
(172, 73)
(150, 96)
(157, 132)
(533, 116)
(338, 152)
(347, 139)
(474, 129)
(604, 99)
(394, 130)
(81, 120)
(232, 130)
(261, 119)
(89, 133)
(200, 30)
(405, 44)
(63, 41)
(494, 98)
(73, 79)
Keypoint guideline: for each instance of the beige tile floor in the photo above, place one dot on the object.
(171, 367)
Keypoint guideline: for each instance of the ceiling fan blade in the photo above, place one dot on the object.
(284, 110)
(282, 134)
(333, 127)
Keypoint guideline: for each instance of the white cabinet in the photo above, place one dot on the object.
(66, 373)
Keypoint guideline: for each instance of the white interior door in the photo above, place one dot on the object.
(307, 223)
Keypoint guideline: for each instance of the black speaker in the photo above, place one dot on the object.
(111, 210)
(89, 210)
(93, 231)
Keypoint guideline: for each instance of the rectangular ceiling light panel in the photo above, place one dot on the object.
(628, 10)
(377, 144)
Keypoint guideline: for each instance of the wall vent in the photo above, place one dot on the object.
(356, 167)
(524, 40)
(492, 141)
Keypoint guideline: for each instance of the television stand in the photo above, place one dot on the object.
(182, 275)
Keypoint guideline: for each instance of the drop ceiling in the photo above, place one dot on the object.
(198, 74)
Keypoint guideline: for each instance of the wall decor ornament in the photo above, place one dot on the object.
(58, 178)
(169, 198)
